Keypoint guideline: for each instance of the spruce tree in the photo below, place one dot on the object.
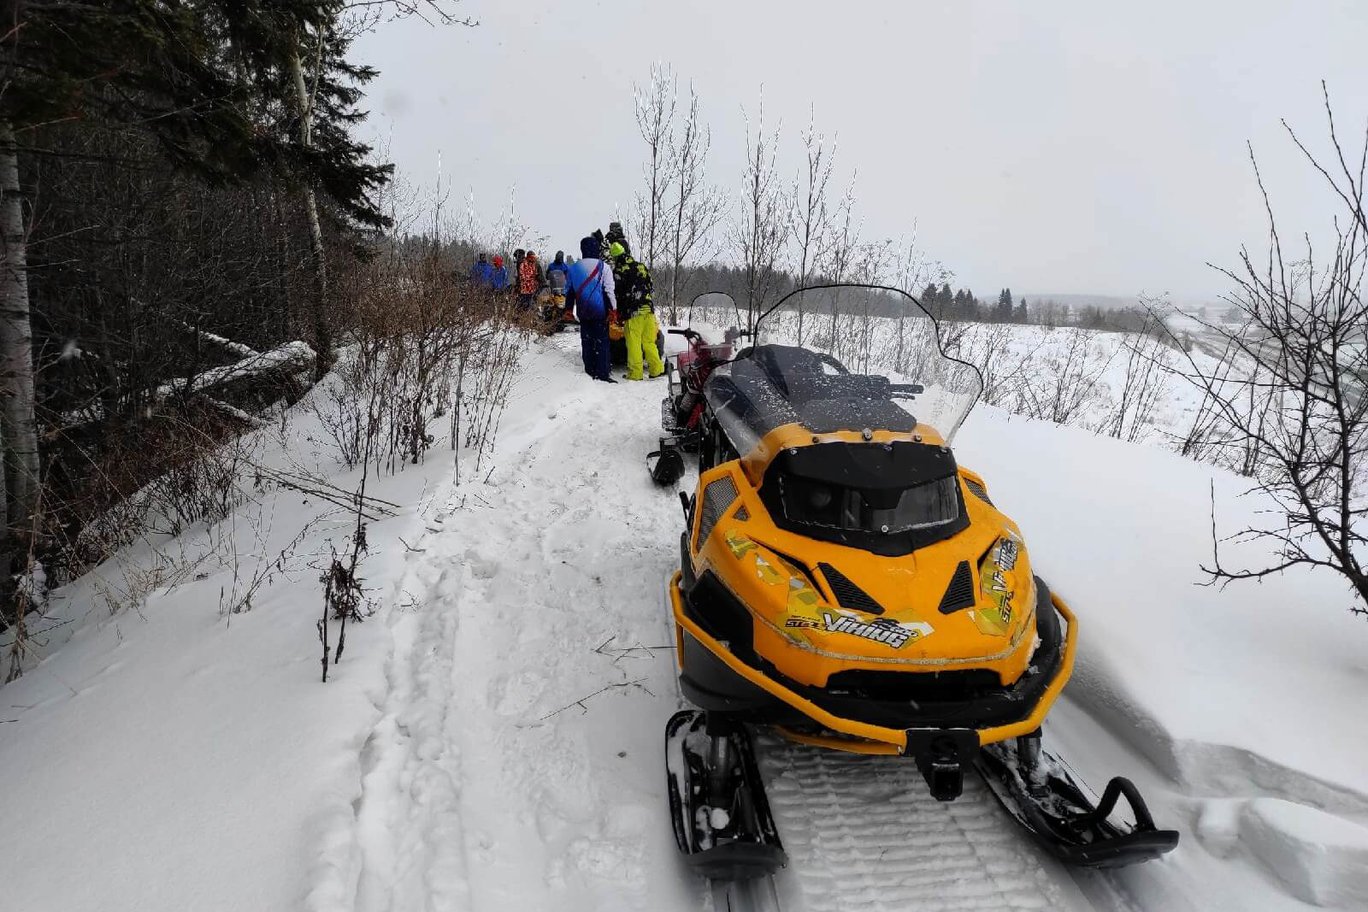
(1003, 312)
(207, 81)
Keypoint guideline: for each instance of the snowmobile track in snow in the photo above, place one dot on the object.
(862, 833)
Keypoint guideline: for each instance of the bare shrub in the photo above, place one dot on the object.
(988, 347)
(1064, 382)
(422, 346)
(1299, 413)
(1146, 376)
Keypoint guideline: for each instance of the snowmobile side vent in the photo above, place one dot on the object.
(717, 497)
(794, 563)
(979, 490)
(741, 514)
(960, 593)
(847, 593)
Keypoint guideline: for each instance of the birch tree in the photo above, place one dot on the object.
(696, 207)
(655, 114)
(810, 216)
(837, 257)
(912, 269)
(761, 227)
(305, 95)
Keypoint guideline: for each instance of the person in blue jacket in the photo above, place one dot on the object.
(559, 265)
(498, 279)
(482, 274)
(590, 289)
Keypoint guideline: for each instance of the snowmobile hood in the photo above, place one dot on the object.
(962, 597)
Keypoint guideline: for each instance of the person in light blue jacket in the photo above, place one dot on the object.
(498, 280)
(589, 287)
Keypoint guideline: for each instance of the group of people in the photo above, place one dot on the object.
(607, 291)
(527, 279)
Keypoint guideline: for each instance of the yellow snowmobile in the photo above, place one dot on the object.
(846, 582)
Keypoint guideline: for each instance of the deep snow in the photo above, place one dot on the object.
(491, 739)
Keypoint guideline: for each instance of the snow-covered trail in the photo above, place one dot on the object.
(517, 763)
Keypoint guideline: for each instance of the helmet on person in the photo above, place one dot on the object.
(616, 250)
(498, 261)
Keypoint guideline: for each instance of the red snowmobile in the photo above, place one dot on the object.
(681, 411)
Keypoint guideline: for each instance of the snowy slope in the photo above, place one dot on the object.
(491, 739)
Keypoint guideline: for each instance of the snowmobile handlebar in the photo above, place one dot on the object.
(688, 333)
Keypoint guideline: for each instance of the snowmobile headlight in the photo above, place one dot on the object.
(897, 510)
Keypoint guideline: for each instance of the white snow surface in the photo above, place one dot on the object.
(491, 738)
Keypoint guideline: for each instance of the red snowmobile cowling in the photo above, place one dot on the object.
(682, 409)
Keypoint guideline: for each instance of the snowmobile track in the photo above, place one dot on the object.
(758, 895)
(862, 833)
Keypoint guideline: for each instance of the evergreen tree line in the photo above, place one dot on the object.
(181, 190)
(943, 303)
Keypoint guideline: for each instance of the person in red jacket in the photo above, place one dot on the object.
(529, 281)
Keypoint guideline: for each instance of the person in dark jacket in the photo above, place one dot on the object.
(616, 235)
(632, 282)
(590, 290)
(482, 274)
(515, 270)
(557, 278)
(558, 265)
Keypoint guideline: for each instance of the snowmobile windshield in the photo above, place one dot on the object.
(716, 309)
(912, 378)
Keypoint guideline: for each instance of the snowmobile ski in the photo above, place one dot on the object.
(1037, 790)
(718, 807)
(666, 464)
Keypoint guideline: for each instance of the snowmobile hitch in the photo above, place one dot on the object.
(941, 755)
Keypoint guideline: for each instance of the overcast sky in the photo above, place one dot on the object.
(1057, 146)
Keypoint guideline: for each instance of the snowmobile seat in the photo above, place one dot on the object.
(773, 385)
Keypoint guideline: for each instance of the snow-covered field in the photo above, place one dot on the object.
(491, 738)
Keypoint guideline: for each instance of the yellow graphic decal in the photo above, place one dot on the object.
(739, 544)
(801, 596)
(995, 618)
(767, 572)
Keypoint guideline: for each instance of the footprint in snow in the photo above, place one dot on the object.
(515, 694)
(481, 568)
